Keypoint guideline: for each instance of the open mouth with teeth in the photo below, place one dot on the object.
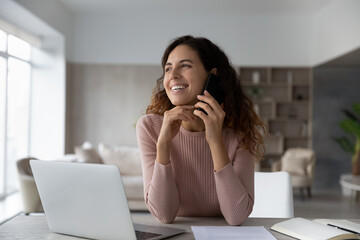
(178, 87)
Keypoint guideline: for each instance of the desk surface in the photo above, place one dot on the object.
(35, 227)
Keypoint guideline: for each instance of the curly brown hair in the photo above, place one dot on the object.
(240, 115)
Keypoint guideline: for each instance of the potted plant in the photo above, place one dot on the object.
(255, 91)
(351, 126)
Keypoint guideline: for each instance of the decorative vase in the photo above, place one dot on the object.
(255, 77)
(289, 77)
(356, 164)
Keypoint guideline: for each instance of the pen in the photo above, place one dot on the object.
(343, 229)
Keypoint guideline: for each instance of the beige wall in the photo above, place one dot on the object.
(105, 101)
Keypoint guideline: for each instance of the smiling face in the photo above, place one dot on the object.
(184, 77)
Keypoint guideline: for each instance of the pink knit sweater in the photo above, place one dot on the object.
(188, 185)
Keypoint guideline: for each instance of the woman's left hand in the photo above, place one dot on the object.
(213, 120)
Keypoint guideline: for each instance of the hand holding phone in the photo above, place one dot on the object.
(213, 87)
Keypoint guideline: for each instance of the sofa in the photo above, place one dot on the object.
(127, 159)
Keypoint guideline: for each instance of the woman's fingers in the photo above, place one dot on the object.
(206, 107)
(172, 121)
(211, 101)
(187, 113)
(184, 113)
(185, 116)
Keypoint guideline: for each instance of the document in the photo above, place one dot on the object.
(231, 233)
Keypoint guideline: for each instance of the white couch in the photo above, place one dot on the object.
(127, 159)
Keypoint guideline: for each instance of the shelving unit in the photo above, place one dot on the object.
(282, 97)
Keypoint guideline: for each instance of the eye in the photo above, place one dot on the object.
(186, 65)
(167, 69)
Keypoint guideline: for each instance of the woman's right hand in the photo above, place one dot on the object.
(172, 122)
(170, 127)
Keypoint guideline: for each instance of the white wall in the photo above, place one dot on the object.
(135, 38)
(336, 30)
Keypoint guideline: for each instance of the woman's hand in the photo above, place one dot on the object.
(172, 121)
(213, 129)
(170, 127)
(213, 120)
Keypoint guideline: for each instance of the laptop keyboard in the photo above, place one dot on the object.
(145, 235)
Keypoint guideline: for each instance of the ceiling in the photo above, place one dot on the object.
(198, 6)
(220, 7)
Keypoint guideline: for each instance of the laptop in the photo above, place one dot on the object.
(88, 200)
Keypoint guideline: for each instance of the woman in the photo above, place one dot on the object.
(196, 163)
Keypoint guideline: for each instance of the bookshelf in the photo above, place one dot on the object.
(282, 97)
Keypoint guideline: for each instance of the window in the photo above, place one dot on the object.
(15, 86)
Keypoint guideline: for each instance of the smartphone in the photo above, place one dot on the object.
(212, 85)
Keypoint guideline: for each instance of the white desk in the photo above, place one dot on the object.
(35, 227)
(351, 182)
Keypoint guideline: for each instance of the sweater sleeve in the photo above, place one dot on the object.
(160, 191)
(235, 188)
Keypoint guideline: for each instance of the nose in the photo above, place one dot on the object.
(174, 74)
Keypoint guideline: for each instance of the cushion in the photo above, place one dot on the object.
(126, 158)
(87, 153)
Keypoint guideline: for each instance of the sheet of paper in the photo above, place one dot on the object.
(230, 233)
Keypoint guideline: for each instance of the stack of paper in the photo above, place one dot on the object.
(231, 233)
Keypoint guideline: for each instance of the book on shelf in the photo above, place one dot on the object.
(332, 229)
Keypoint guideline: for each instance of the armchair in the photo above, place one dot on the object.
(28, 190)
(300, 163)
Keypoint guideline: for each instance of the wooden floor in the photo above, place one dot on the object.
(322, 204)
